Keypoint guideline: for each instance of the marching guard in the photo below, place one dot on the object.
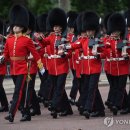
(17, 48)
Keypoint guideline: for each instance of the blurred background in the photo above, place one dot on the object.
(39, 6)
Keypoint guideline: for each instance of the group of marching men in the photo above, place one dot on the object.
(54, 43)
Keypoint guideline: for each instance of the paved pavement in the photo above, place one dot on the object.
(9, 86)
(74, 122)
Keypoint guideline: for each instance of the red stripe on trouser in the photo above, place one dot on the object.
(20, 94)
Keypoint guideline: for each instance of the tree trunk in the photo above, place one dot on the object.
(64, 4)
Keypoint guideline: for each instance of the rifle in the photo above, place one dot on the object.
(123, 45)
(62, 42)
(94, 43)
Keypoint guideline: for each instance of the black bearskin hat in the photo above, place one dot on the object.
(32, 21)
(116, 22)
(41, 22)
(2, 27)
(19, 16)
(71, 19)
(79, 23)
(90, 21)
(57, 16)
(127, 16)
(105, 20)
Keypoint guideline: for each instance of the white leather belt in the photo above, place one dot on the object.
(55, 56)
(116, 59)
(88, 57)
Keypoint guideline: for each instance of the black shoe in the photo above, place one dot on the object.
(54, 114)
(108, 104)
(65, 113)
(34, 112)
(10, 118)
(4, 109)
(72, 101)
(98, 114)
(81, 110)
(86, 114)
(46, 103)
(26, 118)
(114, 110)
(125, 111)
(50, 108)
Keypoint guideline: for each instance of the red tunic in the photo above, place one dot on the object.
(90, 66)
(57, 65)
(117, 67)
(72, 61)
(21, 48)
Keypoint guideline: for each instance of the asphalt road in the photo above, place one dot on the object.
(74, 122)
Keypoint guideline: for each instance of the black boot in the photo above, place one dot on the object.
(81, 110)
(26, 115)
(10, 118)
(4, 109)
(26, 118)
(108, 104)
(86, 113)
(65, 113)
(125, 111)
(114, 110)
(98, 114)
(35, 112)
(54, 114)
(72, 101)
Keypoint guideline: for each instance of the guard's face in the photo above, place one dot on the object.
(57, 29)
(17, 29)
(90, 33)
(128, 29)
(70, 30)
(115, 34)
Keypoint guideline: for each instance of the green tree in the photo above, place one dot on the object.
(40, 6)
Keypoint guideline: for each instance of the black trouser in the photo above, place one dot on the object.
(29, 96)
(65, 105)
(125, 100)
(58, 83)
(75, 86)
(110, 93)
(129, 95)
(129, 100)
(43, 87)
(84, 90)
(91, 91)
(3, 98)
(119, 87)
(47, 89)
(20, 83)
(82, 97)
(98, 103)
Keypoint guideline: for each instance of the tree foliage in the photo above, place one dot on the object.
(40, 6)
(100, 6)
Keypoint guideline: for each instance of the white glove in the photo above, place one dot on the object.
(2, 59)
(42, 71)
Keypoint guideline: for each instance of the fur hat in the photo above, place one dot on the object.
(116, 22)
(19, 16)
(41, 22)
(71, 19)
(2, 27)
(127, 16)
(90, 21)
(79, 23)
(105, 20)
(32, 21)
(57, 16)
